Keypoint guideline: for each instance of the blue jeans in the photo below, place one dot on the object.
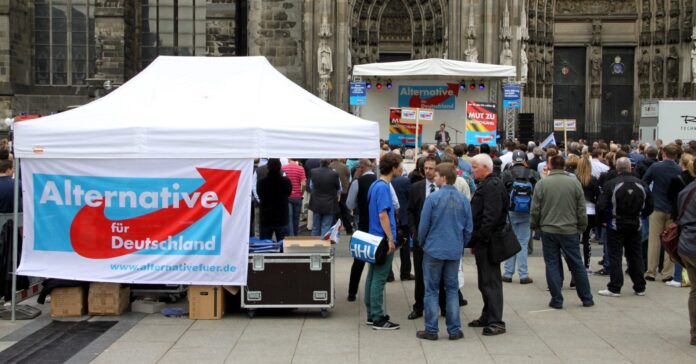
(677, 277)
(433, 270)
(520, 225)
(322, 224)
(294, 207)
(569, 244)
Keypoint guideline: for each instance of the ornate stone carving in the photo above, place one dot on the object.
(506, 54)
(524, 69)
(660, 8)
(658, 90)
(587, 7)
(471, 53)
(693, 63)
(596, 66)
(659, 37)
(673, 33)
(658, 66)
(596, 32)
(673, 65)
(644, 67)
(687, 21)
(324, 54)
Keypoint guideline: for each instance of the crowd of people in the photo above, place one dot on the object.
(621, 197)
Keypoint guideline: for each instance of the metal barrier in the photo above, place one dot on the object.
(35, 283)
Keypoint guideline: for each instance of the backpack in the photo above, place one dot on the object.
(521, 193)
(629, 200)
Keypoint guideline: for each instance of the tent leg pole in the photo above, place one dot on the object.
(15, 236)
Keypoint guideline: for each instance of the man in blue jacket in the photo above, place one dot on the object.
(445, 228)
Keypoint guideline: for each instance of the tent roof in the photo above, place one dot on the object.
(201, 107)
(433, 67)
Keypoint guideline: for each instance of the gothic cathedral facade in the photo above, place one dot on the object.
(595, 61)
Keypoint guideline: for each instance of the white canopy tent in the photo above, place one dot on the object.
(232, 108)
(434, 67)
(209, 107)
(430, 73)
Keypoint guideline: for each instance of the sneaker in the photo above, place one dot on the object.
(588, 304)
(641, 293)
(507, 279)
(385, 324)
(426, 335)
(608, 293)
(667, 279)
(369, 321)
(674, 283)
(650, 278)
(526, 280)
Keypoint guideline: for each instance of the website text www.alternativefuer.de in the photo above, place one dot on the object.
(183, 267)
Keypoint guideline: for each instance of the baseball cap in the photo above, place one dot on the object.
(519, 156)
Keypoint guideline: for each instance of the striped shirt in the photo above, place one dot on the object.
(296, 174)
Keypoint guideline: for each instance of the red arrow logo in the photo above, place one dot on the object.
(91, 232)
(416, 100)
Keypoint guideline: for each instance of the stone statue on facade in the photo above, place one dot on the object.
(693, 63)
(506, 54)
(596, 66)
(673, 65)
(471, 53)
(324, 58)
(644, 67)
(524, 63)
(658, 67)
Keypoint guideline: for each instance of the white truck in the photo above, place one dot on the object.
(667, 120)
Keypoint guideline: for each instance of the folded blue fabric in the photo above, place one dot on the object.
(174, 312)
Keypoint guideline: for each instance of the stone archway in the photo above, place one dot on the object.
(427, 20)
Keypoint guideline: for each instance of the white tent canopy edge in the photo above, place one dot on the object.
(433, 67)
(209, 107)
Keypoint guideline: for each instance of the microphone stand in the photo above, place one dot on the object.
(456, 133)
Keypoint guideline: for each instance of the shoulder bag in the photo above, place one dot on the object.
(670, 237)
(504, 243)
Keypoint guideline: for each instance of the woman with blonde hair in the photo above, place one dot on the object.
(590, 186)
(676, 185)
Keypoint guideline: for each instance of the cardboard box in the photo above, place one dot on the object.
(146, 306)
(68, 301)
(206, 302)
(108, 299)
(306, 244)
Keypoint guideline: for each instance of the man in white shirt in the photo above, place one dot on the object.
(597, 166)
(506, 158)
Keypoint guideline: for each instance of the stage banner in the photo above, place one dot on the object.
(166, 221)
(429, 97)
(481, 123)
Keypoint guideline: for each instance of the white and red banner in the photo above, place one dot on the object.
(167, 221)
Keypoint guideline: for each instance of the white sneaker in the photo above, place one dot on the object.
(608, 293)
(674, 284)
(642, 293)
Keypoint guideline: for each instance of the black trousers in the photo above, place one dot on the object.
(345, 215)
(591, 219)
(490, 284)
(419, 289)
(355, 273)
(625, 240)
(405, 250)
